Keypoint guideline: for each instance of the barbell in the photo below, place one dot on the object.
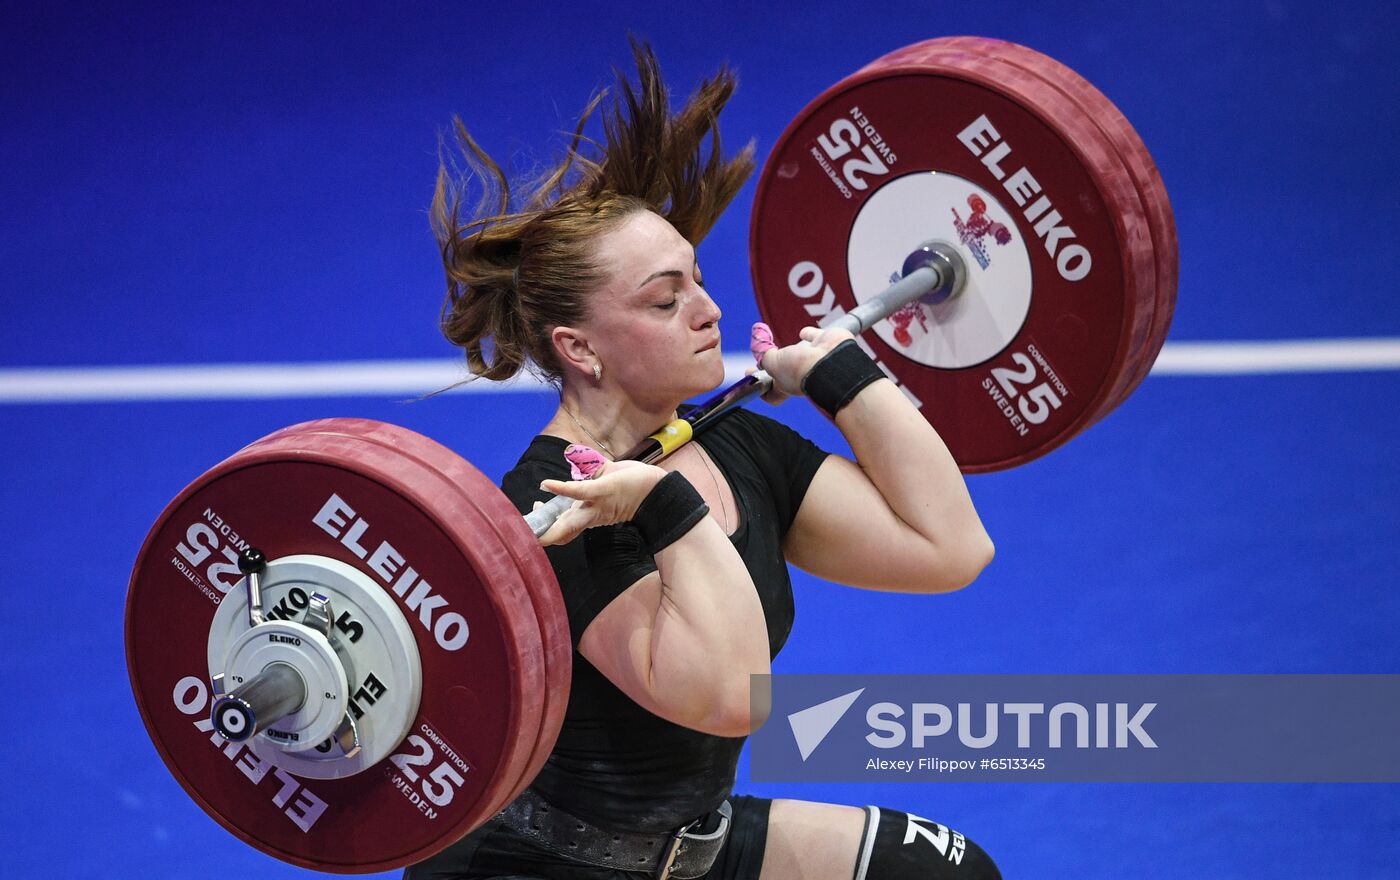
(370, 655)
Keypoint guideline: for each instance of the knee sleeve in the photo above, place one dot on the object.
(902, 846)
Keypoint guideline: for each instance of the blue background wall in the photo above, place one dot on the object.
(197, 186)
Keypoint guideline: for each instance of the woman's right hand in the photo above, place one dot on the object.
(789, 365)
(611, 495)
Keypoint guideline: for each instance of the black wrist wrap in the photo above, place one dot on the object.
(839, 376)
(671, 509)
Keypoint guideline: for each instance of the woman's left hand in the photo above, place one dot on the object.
(790, 364)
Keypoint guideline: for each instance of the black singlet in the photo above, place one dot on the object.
(615, 763)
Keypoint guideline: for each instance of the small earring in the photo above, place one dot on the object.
(597, 372)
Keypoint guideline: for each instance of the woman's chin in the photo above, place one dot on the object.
(703, 375)
(712, 376)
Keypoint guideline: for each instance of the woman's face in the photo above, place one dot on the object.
(653, 326)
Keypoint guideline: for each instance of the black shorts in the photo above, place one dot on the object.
(496, 851)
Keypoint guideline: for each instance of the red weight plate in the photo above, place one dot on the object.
(1047, 217)
(482, 669)
(457, 477)
(1136, 158)
(534, 566)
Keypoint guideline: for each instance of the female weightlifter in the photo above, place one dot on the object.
(675, 577)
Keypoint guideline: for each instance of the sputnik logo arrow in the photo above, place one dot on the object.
(811, 725)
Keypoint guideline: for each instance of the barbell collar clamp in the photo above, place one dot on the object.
(319, 615)
(347, 736)
(946, 261)
(252, 562)
(268, 697)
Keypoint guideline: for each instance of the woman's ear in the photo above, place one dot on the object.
(575, 354)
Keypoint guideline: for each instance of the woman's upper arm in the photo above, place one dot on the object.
(845, 532)
(621, 642)
(618, 640)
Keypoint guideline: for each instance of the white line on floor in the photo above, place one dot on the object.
(410, 378)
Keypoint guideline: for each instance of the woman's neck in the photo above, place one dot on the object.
(607, 421)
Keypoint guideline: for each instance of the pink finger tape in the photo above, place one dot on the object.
(584, 461)
(760, 341)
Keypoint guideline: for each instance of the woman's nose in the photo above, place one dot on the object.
(707, 312)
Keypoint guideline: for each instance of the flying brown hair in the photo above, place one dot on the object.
(523, 263)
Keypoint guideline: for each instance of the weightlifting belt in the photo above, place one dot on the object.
(685, 853)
